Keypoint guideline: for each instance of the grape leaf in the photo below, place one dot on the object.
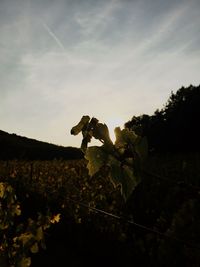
(101, 132)
(87, 133)
(130, 181)
(124, 137)
(25, 262)
(79, 127)
(16, 210)
(115, 170)
(123, 175)
(34, 248)
(25, 238)
(39, 234)
(2, 190)
(56, 218)
(96, 157)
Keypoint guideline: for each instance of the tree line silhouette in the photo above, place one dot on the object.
(175, 127)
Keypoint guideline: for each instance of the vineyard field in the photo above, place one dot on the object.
(166, 202)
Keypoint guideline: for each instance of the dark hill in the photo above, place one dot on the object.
(13, 146)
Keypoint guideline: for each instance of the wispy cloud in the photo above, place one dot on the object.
(94, 21)
(52, 34)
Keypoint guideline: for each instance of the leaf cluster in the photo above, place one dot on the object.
(19, 239)
(123, 159)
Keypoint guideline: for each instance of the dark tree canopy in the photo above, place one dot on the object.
(175, 127)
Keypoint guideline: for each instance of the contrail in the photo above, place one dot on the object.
(53, 36)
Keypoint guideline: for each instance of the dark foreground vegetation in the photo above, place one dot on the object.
(164, 202)
(157, 226)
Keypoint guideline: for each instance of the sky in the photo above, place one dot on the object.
(111, 59)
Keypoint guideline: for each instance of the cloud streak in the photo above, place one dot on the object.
(52, 34)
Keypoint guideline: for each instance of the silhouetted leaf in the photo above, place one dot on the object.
(123, 175)
(79, 127)
(96, 159)
(101, 132)
(124, 137)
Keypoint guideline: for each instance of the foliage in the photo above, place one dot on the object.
(49, 184)
(123, 159)
(175, 127)
(164, 205)
(19, 239)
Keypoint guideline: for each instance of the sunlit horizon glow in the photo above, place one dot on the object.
(109, 59)
(112, 123)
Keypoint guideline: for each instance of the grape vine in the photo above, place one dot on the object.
(19, 239)
(123, 159)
